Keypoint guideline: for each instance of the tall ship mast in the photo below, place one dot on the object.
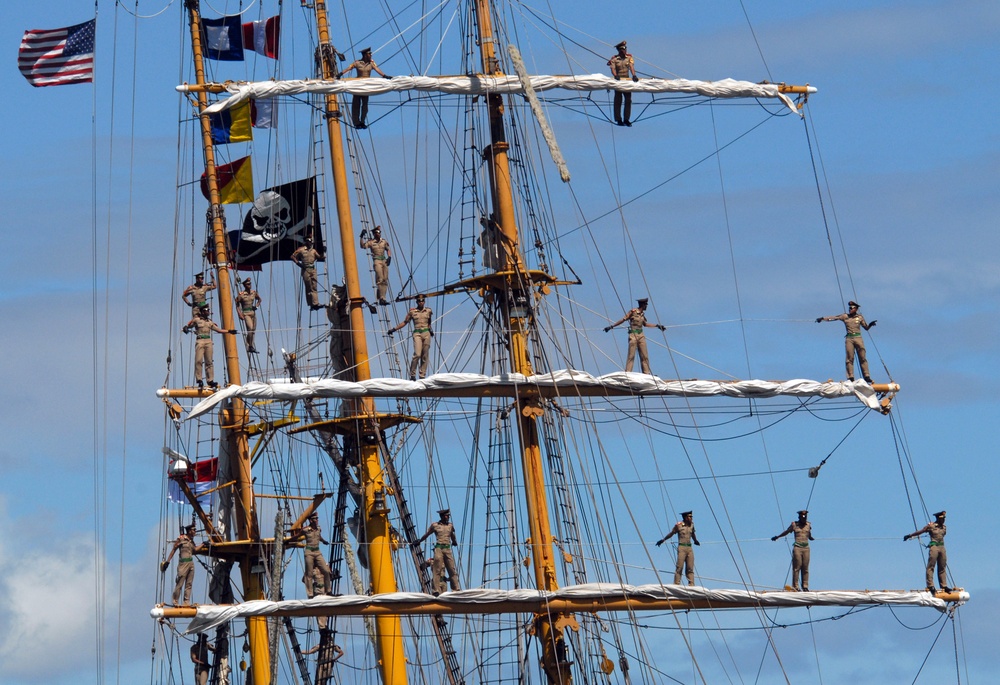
(540, 567)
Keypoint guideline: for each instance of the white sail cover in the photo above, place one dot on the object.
(564, 383)
(506, 84)
(211, 616)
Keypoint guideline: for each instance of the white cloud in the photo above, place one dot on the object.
(49, 616)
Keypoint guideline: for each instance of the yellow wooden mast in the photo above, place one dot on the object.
(388, 629)
(515, 296)
(234, 417)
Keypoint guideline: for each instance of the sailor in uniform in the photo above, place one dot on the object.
(443, 531)
(800, 549)
(204, 349)
(305, 258)
(378, 247)
(636, 337)
(684, 530)
(936, 554)
(185, 564)
(198, 293)
(853, 342)
(622, 66)
(247, 302)
(421, 317)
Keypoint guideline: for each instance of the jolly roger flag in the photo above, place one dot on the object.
(277, 225)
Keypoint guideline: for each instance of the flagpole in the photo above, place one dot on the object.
(235, 416)
(389, 632)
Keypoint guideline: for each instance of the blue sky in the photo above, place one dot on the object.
(905, 121)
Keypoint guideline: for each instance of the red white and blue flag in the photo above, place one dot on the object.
(225, 38)
(56, 57)
(201, 477)
(262, 36)
(263, 114)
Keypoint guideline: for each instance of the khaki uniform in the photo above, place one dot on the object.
(800, 553)
(247, 302)
(379, 252)
(359, 103)
(306, 258)
(204, 349)
(185, 569)
(621, 68)
(421, 319)
(685, 552)
(936, 554)
(315, 559)
(854, 343)
(199, 296)
(443, 558)
(636, 319)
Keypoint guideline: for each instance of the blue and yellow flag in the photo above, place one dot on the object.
(232, 125)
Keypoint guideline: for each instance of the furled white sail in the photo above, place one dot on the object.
(526, 600)
(507, 84)
(563, 383)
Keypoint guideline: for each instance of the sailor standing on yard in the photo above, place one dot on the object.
(444, 536)
(204, 349)
(305, 258)
(359, 103)
(684, 530)
(636, 338)
(622, 65)
(936, 554)
(185, 564)
(800, 549)
(313, 557)
(198, 293)
(854, 322)
(247, 302)
(421, 317)
(381, 259)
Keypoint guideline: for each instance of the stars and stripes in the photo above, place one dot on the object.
(56, 57)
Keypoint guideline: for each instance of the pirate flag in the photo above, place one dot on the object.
(278, 223)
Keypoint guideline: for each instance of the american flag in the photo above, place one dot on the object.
(55, 57)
